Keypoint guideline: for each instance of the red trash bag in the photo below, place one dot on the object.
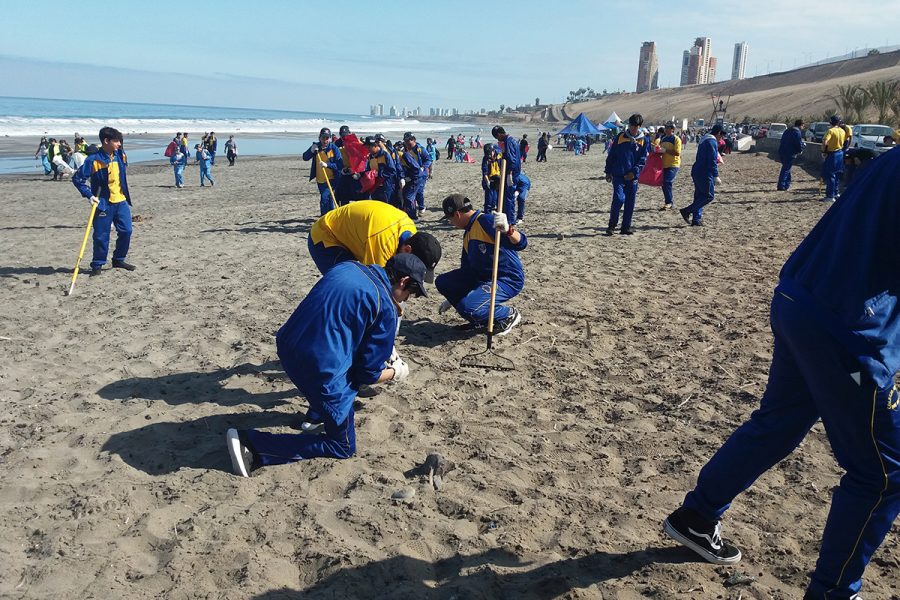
(652, 173)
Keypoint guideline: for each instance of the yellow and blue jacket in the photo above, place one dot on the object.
(103, 176)
(627, 155)
(478, 252)
(671, 142)
(332, 156)
(370, 230)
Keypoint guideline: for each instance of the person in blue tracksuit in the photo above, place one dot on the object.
(836, 321)
(102, 180)
(179, 161)
(624, 161)
(490, 176)
(791, 145)
(521, 195)
(411, 164)
(468, 288)
(383, 164)
(205, 161)
(415, 155)
(326, 164)
(704, 173)
(510, 153)
(340, 337)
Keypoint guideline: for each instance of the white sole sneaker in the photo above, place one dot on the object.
(515, 322)
(703, 552)
(236, 452)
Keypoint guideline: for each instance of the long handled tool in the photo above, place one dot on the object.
(488, 359)
(87, 231)
(334, 202)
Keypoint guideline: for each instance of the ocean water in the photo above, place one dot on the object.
(257, 131)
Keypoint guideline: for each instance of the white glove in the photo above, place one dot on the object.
(718, 181)
(401, 370)
(444, 307)
(501, 223)
(323, 164)
(394, 356)
(516, 194)
(95, 200)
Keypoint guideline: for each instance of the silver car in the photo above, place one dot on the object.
(871, 137)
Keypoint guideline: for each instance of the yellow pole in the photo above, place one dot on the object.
(87, 231)
(496, 253)
(334, 202)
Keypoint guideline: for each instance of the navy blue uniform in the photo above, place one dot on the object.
(791, 145)
(513, 168)
(704, 173)
(626, 155)
(469, 288)
(836, 323)
(339, 337)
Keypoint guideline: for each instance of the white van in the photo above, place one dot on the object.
(776, 130)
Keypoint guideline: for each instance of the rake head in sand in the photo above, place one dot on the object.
(487, 358)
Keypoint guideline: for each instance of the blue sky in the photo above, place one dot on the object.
(343, 56)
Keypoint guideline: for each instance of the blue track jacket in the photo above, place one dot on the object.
(791, 143)
(627, 155)
(340, 335)
(513, 158)
(336, 164)
(478, 252)
(92, 179)
(707, 162)
(846, 270)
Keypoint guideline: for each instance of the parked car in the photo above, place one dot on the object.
(870, 136)
(816, 131)
(776, 130)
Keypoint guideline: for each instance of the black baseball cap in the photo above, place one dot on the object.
(455, 202)
(428, 249)
(670, 125)
(379, 137)
(370, 140)
(408, 136)
(344, 130)
(717, 128)
(324, 131)
(406, 264)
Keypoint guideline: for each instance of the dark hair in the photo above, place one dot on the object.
(798, 123)
(636, 119)
(110, 133)
(498, 130)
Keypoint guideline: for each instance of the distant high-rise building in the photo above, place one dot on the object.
(648, 68)
(711, 70)
(393, 112)
(740, 60)
(380, 110)
(695, 63)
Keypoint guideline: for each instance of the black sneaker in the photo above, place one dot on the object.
(688, 529)
(121, 264)
(242, 460)
(610, 231)
(697, 223)
(95, 272)
(686, 215)
(627, 231)
(504, 326)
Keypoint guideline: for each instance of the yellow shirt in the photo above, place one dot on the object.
(834, 139)
(671, 160)
(369, 229)
(115, 186)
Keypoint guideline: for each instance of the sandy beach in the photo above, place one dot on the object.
(636, 357)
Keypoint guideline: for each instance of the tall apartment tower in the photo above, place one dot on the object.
(696, 63)
(648, 68)
(740, 60)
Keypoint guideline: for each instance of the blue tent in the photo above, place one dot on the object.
(580, 125)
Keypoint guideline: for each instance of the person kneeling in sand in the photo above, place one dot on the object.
(468, 289)
(340, 337)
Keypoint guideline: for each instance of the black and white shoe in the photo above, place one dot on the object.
(504, 326)
(242, 462)
(685, 214)
(688, 529)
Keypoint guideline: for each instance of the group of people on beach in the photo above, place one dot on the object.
(59, 158)
(834, 316)
(204, 156)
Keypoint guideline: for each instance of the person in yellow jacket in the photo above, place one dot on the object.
(371, 232)
(833, 153)
(671, 147)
